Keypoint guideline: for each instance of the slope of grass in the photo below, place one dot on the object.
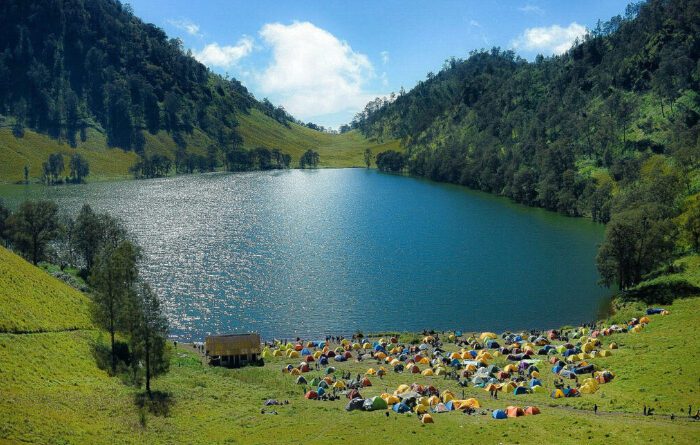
(51, 391)
(257, 129)
(33, 301)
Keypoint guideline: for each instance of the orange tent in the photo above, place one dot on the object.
(515, 411)
(427, 418)
(531, 410)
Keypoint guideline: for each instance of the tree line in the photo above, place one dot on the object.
(108, 258)
(54, 167)
(607, 130)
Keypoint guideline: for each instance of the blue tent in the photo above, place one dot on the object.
(450, 405)
(569, 352)
(499, 414)
(557, 369)
(458, 333)
(455, 363)
(323, 360)
(654, 311)
(340, 358)
(321, 391)
(378, 348)
(535, 382)
(492, 344)
(520, 390)
(401, 408)
(305, 351)
(473, 353)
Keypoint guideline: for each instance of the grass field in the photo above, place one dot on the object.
(51, 391)
(257, 129)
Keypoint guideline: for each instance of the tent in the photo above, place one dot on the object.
(520, 390)
(428, 372)
(487, 335)
(401, 408)
(538, 389)
(354, 404)
(323, 384)
(440, 408)
(535, 382)
(374, 403)
(366, 382)
(371, 371)
(391, 399)
(558, 394)
(515, 411)
(339, 385)
(446, 396)
(531, 410)
(311, 395)
(321, 391)
(499, 414)
(353, 394)
(427, 418)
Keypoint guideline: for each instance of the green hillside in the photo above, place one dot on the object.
(257, 129)
(33, 301)
(52, 391)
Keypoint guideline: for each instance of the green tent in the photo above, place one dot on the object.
(375, 403)
(315, 381)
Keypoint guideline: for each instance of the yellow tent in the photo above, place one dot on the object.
(507, 387)
(294, 354)
(433, 400)
(371, 371)
(380, 355)
(440, 371)
(428, 372)
(491, 387)
(428, 339)
(420, 408)
(535, 374)
(538, 389)
(637, 328)
(345, 342)
(366, 346)
(295, 371)
(483, 355)
(455, 355)
(390, 399)
(446, 396)
(470, 368)
(645, 320)
(394, 362)
(558, 394)
(339, 385)
(356, 346)
(613, 345)
(487, 335)
(402, 389)
(423, 401)
(427, 419)
(277, 353)
(424, 361)
(511, 368)
(605, 353)
(317, 354)
(473, 403)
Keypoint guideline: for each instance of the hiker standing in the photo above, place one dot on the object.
(645, 410)
(595, 408)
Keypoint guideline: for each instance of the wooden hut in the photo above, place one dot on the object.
(233, 350)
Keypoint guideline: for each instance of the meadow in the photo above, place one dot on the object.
(53, 391)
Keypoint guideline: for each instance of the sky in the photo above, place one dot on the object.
(324, 60)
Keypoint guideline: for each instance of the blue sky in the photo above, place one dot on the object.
(324, 60)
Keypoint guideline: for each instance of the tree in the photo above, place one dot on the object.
(636, 242)
(690, 224)
(93, 231)
(53, 168)
(310, 158)
(368, 157)
(26, 174)
(113, 278)
(150, 334)
(33, 227)
(79, 168)
(390, 161)
(4, 223)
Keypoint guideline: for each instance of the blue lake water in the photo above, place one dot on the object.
(321, 252)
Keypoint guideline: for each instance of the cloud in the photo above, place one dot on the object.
(475, 23)
(225, 56)
(532, 8)
(186, 25)
(385, 57)
(312, 72)
(549, 39)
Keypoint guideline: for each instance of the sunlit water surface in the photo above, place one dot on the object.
(334, 251)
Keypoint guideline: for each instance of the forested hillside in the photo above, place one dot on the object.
(608, 128)
(91, 75)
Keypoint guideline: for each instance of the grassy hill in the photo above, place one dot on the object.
(51, 391)
(257, 129)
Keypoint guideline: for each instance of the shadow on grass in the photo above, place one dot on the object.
(157, 403)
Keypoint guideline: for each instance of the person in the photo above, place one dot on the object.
(690, 409)
(595, 408)
(673, 416)
(645, 410)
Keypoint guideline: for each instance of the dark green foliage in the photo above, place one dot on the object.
(4, 224)
(149, 334)
(368, 157)
(497, 123)
(93, 232)
(79, 168)
(390, 161)
(310, 158)
(53, 169)
(156, 166)
(113, 277)
(66, 65)
(33, 227)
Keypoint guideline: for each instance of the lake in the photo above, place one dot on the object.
(318, 252)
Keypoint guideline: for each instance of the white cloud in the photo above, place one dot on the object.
(549, 39)
(385, 57)
(474, 23)
(532, 8)
(225, 56)
(186, 25)
(312, 72)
